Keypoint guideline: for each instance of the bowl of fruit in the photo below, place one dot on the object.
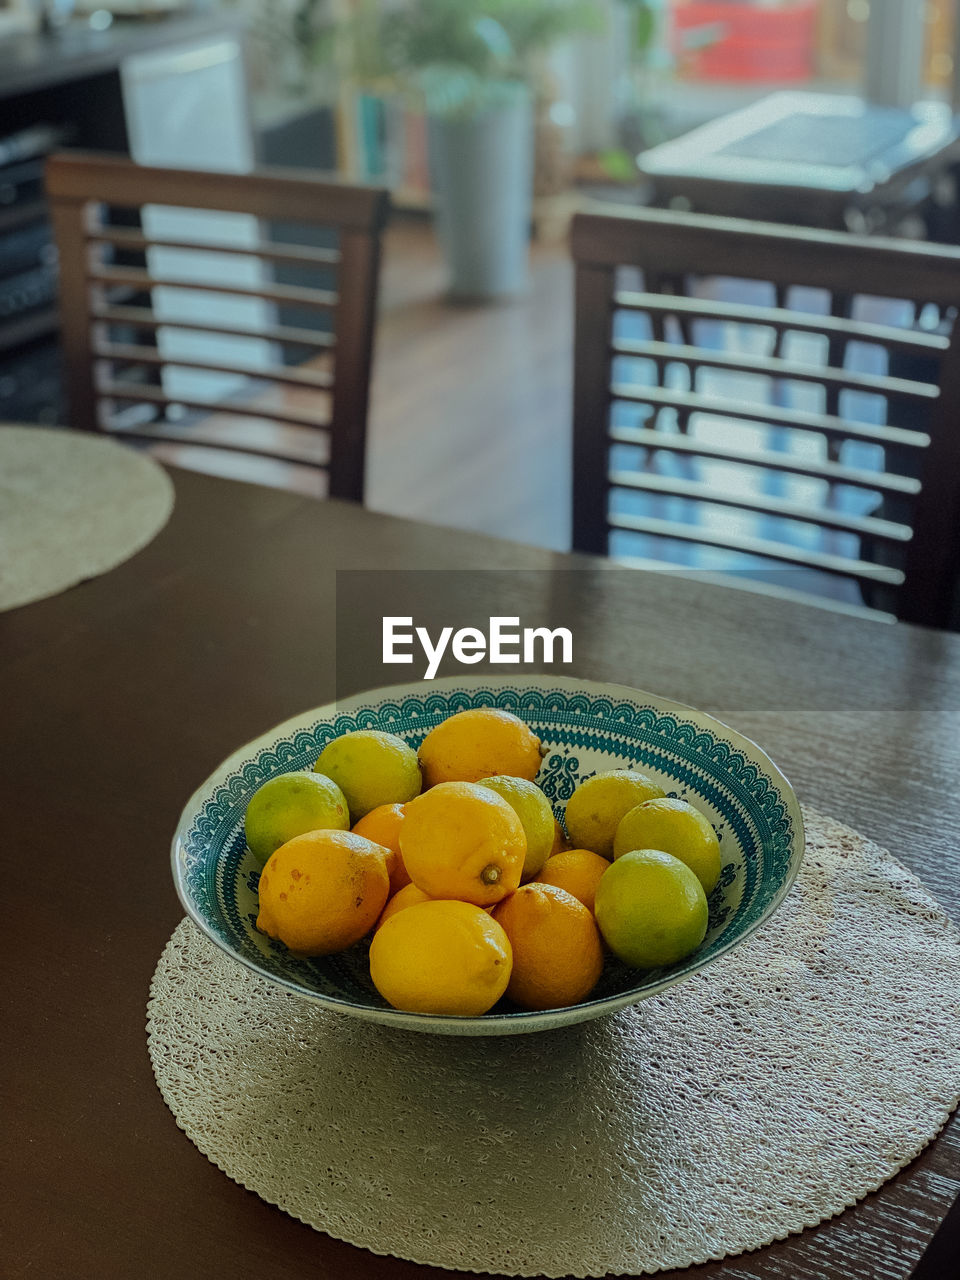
(487, 857)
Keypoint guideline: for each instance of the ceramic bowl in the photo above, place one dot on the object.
(585, 727)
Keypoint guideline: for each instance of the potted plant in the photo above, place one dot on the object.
(474, 67)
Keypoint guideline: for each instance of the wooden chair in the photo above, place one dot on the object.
(142, 343)
(749, 395)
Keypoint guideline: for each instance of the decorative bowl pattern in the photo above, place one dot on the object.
(586, 727)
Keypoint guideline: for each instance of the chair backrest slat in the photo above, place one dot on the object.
(782, 319)
(273, 194)
(303, 254)
(286, 375)
(832, 260)
(824, 424)
(143, 279)
(775, 367)
(832, 472)
(144, 318)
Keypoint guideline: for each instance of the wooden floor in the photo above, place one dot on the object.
(470, 424)
(470, 414)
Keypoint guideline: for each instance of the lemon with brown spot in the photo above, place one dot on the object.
(482, 742)
(676, 827)
(461, 840)
(594, 810)
(322, 891)
(443, 957)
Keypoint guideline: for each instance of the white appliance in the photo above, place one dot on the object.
(186, 108)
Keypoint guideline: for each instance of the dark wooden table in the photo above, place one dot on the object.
(118, 697)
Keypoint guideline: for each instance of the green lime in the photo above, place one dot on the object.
(651, 909)
(599, 803)
(675, 827)
(371, 768)
(536, 817)
(291, 805)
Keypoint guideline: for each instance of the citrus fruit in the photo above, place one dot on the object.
(479, 743)
(441, 957)
(559, 840)
(289, 805)
(382, 826)
(408, 896)
(675, 827)
(598, 804)
(371, 768)
(557, 952)
(651, 909)
(578, 871)
(322, 891)
(533, 809)
(460, 840)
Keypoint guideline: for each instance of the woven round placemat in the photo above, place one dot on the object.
(765, 1094)
(72, 506)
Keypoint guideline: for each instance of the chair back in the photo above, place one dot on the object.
(749, 395)
(191, 301)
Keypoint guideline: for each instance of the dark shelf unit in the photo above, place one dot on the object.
(68, 79)
(40, 323)
(29, 360)
(21, 215)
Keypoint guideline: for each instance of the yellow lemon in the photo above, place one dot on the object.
(441, 957)
(576, 870)
(559, 839)
(479, 743)
(408, 896)
(557, 952)
(598, 804)
(460, 840)
(371, 768)
(382, 826)
(675, 827)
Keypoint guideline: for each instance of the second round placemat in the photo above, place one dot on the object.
(763, 1095)
(73, 504)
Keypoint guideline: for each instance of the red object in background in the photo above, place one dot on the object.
(713, 40)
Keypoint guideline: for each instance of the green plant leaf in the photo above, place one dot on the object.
(618, 165)
(644, 28)
(459, 44)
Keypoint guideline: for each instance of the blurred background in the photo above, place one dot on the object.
(824, 113)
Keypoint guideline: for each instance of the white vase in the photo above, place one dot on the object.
(482, 177)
